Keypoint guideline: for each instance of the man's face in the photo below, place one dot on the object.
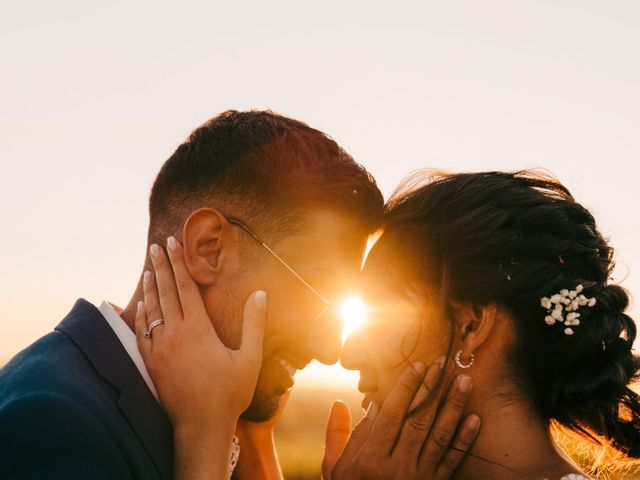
(327, 254)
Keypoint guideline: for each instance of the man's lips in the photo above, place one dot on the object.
(292, 361)
(288, 366)
(291, 370)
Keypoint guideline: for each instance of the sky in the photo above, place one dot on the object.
(95, 96)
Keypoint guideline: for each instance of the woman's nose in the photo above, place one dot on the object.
(354, 351)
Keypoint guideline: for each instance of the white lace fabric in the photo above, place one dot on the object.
(235, 454)
(574, 476)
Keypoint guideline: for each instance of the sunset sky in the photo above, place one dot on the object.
(95, 96)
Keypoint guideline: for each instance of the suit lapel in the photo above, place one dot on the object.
(150, 424)
(89, 330)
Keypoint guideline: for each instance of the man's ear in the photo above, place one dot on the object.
(209, 245)
(474, 324)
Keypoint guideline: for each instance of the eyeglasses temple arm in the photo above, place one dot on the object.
(282, 262)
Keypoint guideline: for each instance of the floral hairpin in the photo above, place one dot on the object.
(566, 301)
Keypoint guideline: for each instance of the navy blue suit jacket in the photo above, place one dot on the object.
(73, 405)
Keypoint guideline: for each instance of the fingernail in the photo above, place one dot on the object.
(474, 422)
(419, 368)
(464, 383)
(155, 251)
(260, 299)
(146, 277)
(140, 306)
(441, 361)
(172, 243)
(373, 410)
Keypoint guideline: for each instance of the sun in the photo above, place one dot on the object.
(353, 312)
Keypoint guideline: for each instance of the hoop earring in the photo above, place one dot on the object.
(459, 360)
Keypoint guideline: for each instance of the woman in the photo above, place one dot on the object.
(508, 278)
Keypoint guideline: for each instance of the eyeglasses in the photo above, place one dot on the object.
(325, 301)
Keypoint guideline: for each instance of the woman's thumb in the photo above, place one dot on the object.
(336, 437)
(255, 311)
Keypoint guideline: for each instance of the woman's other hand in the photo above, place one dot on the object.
(405, 438)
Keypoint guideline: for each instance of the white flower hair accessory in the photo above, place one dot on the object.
(563, 308)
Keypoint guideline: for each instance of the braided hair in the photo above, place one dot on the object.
(512, 239)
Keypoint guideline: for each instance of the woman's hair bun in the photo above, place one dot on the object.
(593, 396)
(513, 239)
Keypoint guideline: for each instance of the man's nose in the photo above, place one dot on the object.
(325, 339)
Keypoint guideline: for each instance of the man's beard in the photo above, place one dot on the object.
(262, 407)
(264, 404)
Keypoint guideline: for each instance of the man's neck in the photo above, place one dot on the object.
(514, 443)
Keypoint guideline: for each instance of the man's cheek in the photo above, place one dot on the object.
(282, 331)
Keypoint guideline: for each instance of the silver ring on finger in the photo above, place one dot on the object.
(147, 331)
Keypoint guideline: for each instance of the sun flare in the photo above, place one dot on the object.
(353, 312)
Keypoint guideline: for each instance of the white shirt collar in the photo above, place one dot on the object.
(128, 340)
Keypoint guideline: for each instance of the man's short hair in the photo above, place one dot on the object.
(263, 168)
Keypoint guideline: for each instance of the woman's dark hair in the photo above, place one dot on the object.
(511, 239)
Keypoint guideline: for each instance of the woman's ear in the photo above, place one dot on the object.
(475, 325)
(209, 245)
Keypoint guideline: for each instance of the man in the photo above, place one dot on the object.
(261, 202)
(79, 403)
